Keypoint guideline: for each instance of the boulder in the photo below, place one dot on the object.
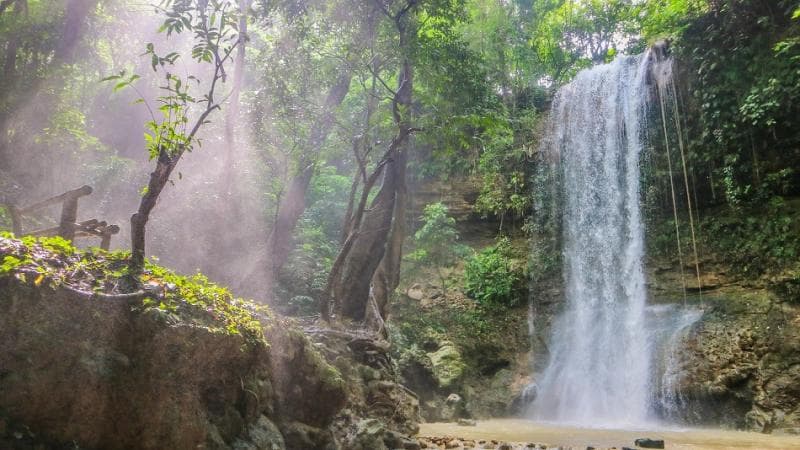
(120, 378)
(123, 378)
(649, 443)
(262, 435)
(300, 436)
(369, 435)
(453, 409)
(467, 422)
(447, 364)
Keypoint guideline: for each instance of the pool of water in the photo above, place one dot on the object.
(517, 430)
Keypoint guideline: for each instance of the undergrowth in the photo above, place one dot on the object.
(177, 299)
(754, 241)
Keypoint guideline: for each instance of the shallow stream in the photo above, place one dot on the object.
(518, 430)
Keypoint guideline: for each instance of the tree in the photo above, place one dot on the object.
(175, 132)
(571, 35)
(376, 239)
(41, 43)
(310, 65)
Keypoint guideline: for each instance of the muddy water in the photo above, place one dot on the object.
(514, 430)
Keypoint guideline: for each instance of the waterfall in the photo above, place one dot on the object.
(669, 326)
(599, 368)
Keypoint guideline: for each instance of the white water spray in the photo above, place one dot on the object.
(599, 371)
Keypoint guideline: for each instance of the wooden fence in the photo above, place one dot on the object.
(68, 226)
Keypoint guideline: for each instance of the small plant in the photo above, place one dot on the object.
(437, 242)
(58, 244)
(491, 278)
(9, 263)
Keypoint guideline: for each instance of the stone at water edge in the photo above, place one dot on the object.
(455, 443)
(649, 443)
(467, 422)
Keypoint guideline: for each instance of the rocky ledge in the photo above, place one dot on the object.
(179, 365)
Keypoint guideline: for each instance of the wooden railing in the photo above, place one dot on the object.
(68, 226)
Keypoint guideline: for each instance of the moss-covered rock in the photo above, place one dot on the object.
(261, 435)
(447, 364)
(107, 376)
(182, 365)
(309, 390)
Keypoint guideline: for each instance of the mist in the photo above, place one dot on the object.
(215, 215)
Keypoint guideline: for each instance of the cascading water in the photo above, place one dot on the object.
(668, 326)
(602, 346)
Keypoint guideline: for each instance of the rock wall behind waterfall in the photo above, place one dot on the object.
(739, 365)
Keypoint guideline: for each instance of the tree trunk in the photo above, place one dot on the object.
(352, 216)
(370, 271)
(9, 78)
(293, 204)
(351, 288)
(74, 21)
(232, 116)
(387, 276)
(9, 66)
(158, 179)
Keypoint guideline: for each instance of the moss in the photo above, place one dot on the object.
(197, 300)
(177, 299)
(447, 364)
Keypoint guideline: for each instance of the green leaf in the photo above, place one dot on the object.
(120, 85)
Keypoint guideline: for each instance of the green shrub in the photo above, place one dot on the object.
(436, 243)
(491, 278)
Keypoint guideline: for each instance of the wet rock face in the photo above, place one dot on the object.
(99, 374)
(308, 390)
(379, 412)
(743, 370)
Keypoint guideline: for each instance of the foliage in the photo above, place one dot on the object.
(491, 278)
(5, 218)
(52, 262)
(484, 72)
(571, 35)
(668, 19)
(743, 59)
(57, 244)
(196, 300)
(214, 28)
(545, 258)
(756, 241)
(48, 93)
(502, 166)
(436, 242)
(317, 238)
